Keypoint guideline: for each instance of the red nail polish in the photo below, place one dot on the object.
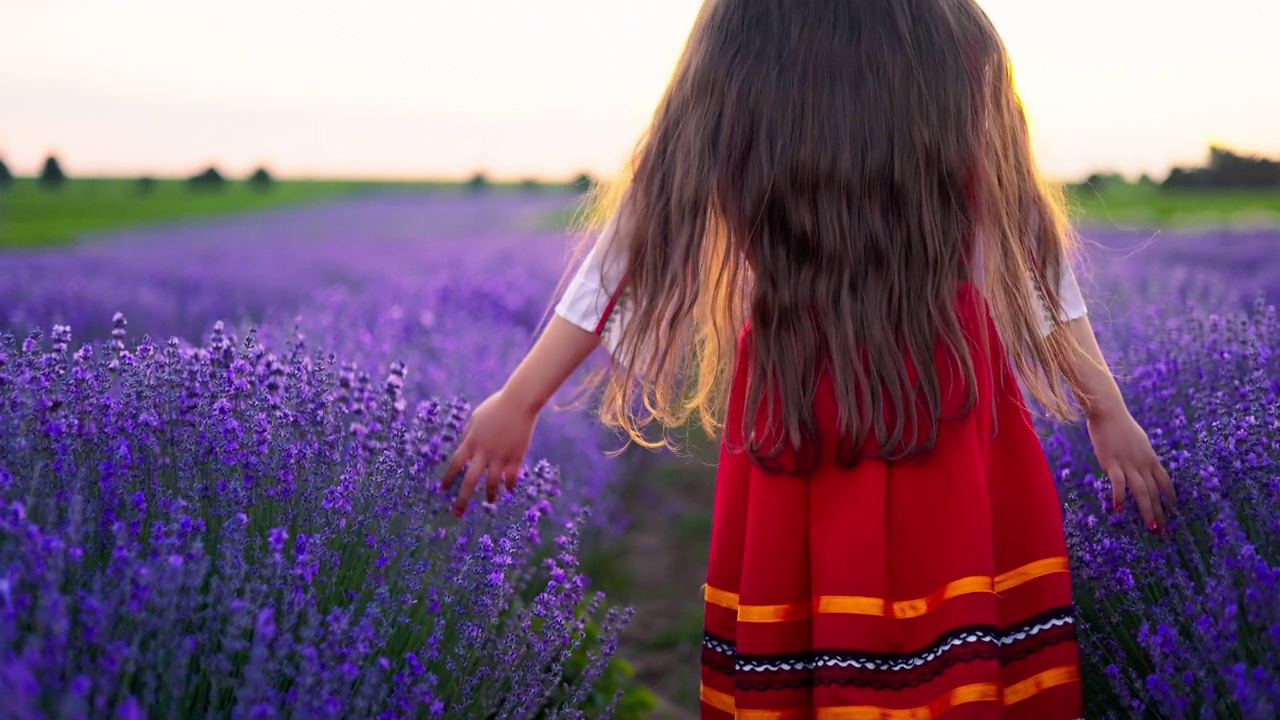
(458, 512)
(1153, 527)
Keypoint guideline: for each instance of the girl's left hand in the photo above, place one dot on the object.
(1124, 452)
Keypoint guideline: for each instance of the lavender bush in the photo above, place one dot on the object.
(218, 529)
(451, 285)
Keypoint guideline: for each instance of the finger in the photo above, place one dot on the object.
(1117, 487)
(1157, 507)
(469, 483)
(456, 463)
(1142, 494)
(1165, 482)
(492, 476)
(510, 475)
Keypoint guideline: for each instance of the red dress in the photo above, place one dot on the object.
(936, 586)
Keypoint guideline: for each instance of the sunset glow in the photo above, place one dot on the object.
(438, 88)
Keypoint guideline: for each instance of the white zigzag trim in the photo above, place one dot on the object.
(881, 665)
(718, 646)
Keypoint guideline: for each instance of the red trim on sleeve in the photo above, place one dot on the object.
(608, 309)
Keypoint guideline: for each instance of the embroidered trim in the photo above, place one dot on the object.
(891, 662)
(1048, 298)
(605, 319)
(880, 680)
(886, 671)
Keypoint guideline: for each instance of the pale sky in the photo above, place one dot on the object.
(434, 88)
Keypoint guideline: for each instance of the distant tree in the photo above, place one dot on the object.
(210, 179)
(530, 185)
(51, 175)
(478, 183)
(6, 177)
(1146, 180)
(1226, 169)
(1100, 181)
(1178, 178)
(583, 183)
(146, 184)
(260, 179)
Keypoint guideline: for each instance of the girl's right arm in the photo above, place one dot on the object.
(498, 434)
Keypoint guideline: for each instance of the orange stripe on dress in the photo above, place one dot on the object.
(718, 700)
(1040, 682)
(976, 692)
(902, 609)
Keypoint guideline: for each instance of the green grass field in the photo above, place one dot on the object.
(34, 215)
(31, 215)
(1148, 205)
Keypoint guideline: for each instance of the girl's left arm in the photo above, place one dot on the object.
(1123, 449)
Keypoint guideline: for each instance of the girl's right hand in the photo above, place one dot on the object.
(494, 444)
(1124, 452)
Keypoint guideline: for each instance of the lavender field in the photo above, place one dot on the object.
(216, 469)
(217, 443)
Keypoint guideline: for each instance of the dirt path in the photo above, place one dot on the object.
(659, 565)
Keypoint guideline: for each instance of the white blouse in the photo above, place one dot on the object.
(592, 303)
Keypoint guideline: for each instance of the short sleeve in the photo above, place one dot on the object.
(1070, 300)
(593, 300)
(1071, 305)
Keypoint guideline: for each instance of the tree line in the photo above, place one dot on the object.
(1225, 170)
(53, 176)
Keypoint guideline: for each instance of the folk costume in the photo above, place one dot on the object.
(935, 586)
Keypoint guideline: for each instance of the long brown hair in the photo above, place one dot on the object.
(825, 170)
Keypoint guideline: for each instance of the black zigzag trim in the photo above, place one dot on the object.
(829, 676)
(882, 670)
(1063, 613)
(718, 660)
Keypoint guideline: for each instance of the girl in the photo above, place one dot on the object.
(834, 238)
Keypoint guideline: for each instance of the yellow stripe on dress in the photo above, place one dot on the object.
(902, 609)
(977, 692)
